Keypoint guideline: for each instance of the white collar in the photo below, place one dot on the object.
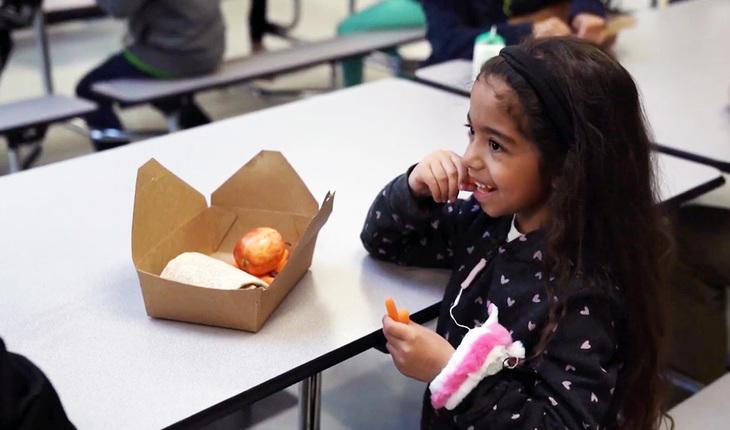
(513, 232)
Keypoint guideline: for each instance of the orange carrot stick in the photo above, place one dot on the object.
(403, 316)
(390, 307)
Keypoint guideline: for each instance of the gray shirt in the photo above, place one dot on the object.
(176, 37)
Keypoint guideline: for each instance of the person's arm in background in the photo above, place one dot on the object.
(27, 398)
(587, 18)
(451, 37)
(120, 8)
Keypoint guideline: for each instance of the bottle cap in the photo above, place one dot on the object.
(490, 37)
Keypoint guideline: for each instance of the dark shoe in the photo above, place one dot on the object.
(107, 138)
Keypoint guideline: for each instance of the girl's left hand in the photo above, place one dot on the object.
(589, 27)
(417, 351)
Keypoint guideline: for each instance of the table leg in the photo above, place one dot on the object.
(14, 163)
(310, 402)
(41, 35)
(333, 76)
(173, 121)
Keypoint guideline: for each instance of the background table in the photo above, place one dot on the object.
(452, 76)
(680, 59)
(705, 410)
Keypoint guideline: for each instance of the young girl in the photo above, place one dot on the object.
(560, 235)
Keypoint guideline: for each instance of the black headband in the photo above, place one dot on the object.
(540, 79)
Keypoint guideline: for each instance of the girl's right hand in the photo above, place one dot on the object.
(439, 175)
(418, 352)
(550, 27)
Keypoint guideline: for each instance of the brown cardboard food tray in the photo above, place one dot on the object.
(170, 217)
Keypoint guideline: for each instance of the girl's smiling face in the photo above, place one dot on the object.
(502, 161)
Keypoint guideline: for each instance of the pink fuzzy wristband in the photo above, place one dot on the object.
(481, 353)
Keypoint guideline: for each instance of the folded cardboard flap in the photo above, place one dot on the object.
(316, 223)
(163, 203)
(201, 234)
(267, 182)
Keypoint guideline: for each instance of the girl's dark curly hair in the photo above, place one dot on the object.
(604, 219)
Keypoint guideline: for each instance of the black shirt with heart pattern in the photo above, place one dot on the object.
(571, 383)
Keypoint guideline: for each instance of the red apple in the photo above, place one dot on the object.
(259, 251)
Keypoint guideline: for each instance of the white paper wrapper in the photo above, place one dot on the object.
(201, 270)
